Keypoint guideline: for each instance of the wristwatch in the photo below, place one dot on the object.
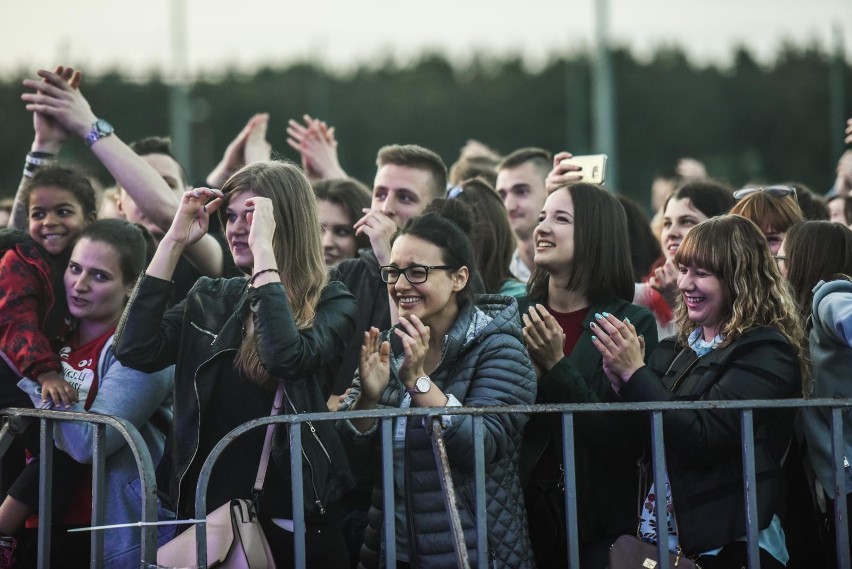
(100, 129)
(422, 385)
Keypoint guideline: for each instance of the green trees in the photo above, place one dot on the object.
(747, 122)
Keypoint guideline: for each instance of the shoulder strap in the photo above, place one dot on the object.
(267, 443)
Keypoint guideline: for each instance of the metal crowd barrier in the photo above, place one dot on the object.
(386, 417)
(656, 409)
(16, 419)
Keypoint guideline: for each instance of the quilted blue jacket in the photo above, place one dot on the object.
(484, 363)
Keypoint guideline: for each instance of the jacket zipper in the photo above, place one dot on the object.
(203, 331)
(198, 423)
(318, 502)
(133, 294)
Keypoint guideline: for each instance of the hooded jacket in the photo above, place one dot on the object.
(483, 363)
(200, 336)
(831, 355)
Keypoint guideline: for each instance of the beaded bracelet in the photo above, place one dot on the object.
(257, 274)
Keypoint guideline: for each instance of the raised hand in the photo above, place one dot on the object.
(192, 219)
(544, 338)
(415, 344)
(317, 147)
(379, 228)
(373, 367)
(250, 145)
(562, 174)
(50, 134)
(664, 280)
(60, 99)
(261, 226)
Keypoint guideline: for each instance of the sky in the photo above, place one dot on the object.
(136, 37)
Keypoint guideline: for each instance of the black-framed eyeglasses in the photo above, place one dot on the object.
(776, 191)
(415, 274)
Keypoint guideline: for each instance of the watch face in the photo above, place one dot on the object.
(104, 128)
(423, 384)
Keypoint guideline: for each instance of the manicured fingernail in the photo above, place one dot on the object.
(593, 325)
(606, 314)
(598, 315)
(594, 338)
(627, 320)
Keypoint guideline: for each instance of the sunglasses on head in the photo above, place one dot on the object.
(776, 191)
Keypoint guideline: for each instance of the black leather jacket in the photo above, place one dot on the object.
(200, 336)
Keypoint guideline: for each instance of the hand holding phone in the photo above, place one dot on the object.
(592, 167)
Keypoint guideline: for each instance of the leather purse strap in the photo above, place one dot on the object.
(267, 443)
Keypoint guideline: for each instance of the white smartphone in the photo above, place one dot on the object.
(592, 167)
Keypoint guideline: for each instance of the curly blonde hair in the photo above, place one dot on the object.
(735, 250)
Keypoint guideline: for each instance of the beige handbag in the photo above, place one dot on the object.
(235, 538)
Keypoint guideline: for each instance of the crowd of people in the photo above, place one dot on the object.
(503, 280)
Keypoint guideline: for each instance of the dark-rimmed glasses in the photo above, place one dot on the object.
(776, 191)
(415, 274)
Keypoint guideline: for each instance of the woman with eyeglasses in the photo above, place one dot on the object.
(773, 209)
(817, 261)
(448, 350)
(583, 268)
(738, 338)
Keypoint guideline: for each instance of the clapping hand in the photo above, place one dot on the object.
(620, 346)
(317, 147)
(373, 367)
(544, 338)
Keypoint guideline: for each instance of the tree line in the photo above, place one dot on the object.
(749, 122)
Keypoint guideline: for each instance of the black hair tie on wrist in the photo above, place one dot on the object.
(257, 274)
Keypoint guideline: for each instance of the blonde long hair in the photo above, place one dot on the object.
(735, 250)
(296, 243)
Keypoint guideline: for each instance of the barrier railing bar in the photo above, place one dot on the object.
(479, 485)
(388, 505)
(448, 490)
(750, 487)
(570, 483)
(45, 492)
(658, 463)
(841, 519)
(387, 416)
(96, 550)
(299, 550)
(137, 446)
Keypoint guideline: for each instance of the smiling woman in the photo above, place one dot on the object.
(583, 268)
(450, 349)
(739, 337)
(104, 264)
